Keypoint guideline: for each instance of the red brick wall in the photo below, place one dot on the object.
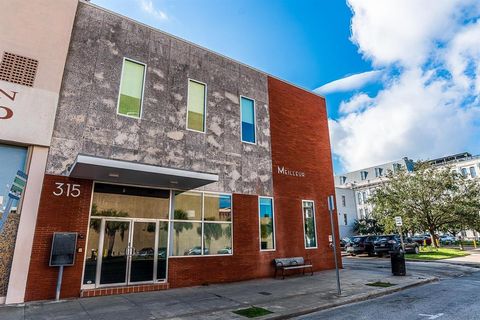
(247, 262)
(300, 142)
(58, 214)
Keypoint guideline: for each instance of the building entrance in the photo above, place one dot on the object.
(128, 236)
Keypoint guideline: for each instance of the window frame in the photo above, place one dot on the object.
(143, 88)
(201, 221)
(314, 225)
(254, 120)
(260, 228)
(204, 106)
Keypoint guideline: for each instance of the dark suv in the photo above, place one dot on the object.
(387, 243)
(356, 246)
(369, 245)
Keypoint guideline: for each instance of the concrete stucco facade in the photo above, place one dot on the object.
(87, 121)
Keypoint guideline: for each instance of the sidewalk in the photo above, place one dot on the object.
(293, 296)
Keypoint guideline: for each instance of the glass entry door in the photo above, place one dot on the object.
(142, 253)
(115, 252)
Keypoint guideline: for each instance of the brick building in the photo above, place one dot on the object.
(176, 166)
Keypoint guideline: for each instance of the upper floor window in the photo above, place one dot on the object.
(345, 219)
(473, 172)
(397, 167)
(464, 172)
(344, 201)
(342, 179)
(131, 89)
(267, 223)
(247, 113)
(363, 175)
(196, 105)
(378, 172)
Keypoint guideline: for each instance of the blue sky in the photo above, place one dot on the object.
(399, 54)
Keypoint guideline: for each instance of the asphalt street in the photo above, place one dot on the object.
(454, 296)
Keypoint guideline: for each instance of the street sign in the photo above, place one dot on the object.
(330, 239)
(398, 221)
(331, 203)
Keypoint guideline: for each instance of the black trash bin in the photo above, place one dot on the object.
(398, 263)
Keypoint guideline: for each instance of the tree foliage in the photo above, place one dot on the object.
(367, 226)
(428, 199)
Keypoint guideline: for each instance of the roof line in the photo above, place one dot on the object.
(87, 2)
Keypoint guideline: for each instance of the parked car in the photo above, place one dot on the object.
(357, 246)
(369, 245)
(345, 242)
(195, 251)
(422, 239)
(387, 243)
(447, 239)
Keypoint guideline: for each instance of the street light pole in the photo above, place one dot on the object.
(331, 207)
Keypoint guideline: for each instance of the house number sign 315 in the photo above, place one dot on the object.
(66, 189)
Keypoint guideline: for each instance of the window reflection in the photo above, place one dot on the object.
(218, 207)
(309, 224)
(188, 206)
(267, 230)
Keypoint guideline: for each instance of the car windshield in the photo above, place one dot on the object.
(357, 240)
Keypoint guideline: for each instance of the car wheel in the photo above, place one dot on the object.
(371, 254)
(380, 255)
(417, 250)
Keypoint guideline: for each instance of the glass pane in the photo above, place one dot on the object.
(131, 88)
(248, 120)
(267, 236)
(162, 250)
(218, 207)
(143, 244)
(217, 238)
(114, 260)
(92, 251)
(196, 106)
(309, 219)
(12, 158)
(187, 238)
(188, 206)
(132, 202)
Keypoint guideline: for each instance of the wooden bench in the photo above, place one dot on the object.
(292, 264)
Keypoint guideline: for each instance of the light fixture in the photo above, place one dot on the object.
(174, 182)
(113, 175)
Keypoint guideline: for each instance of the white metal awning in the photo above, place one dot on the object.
(117, 171)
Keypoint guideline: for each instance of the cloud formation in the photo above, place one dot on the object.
(349, 83)
(148, 7)
(429, 105)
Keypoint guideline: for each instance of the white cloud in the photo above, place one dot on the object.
(349, 83)
(148, 7)
(431, 106)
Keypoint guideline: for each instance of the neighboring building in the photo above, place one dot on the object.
(353, 189)
(33, 47)
(176, 166)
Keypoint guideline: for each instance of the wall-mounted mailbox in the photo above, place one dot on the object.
(64, 247)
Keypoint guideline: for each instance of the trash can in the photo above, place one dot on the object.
(398, 263)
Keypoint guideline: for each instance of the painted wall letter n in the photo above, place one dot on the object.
(11, 97)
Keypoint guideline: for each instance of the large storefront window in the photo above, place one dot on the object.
(267, 224)
(202, 224)
(133, 230)
(309, 224)
(12, 159)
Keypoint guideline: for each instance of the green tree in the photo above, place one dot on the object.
(179, 227)
(210, 231)
(428, 199)
(111, 227)
(367, 226)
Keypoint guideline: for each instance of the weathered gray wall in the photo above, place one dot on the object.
(87, 122)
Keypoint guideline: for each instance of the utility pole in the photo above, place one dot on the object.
(331, 207)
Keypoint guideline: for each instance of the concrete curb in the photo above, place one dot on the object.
(445, 261)
(352, 299)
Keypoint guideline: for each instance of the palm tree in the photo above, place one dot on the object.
(180, 214)
(111, 227)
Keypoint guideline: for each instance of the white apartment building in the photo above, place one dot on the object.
(354, 188)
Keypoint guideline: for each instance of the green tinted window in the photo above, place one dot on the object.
(131, 89)
(196, 106)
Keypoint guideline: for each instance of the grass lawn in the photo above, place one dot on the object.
(432, 254)
(253, 312)
(381, 284)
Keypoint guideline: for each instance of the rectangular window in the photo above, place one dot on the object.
(363, 175)
(202, 224)
(196, 106)
(131, 89)
(267, 223)
(248, 119)
(359, 196)
(344, 201)
(464, 172)
(310, 229)
(378, 172)
(473, 172)
(345, 220)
